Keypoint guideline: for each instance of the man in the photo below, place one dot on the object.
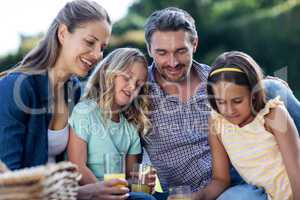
(178, 144)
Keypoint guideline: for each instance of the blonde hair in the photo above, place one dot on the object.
(100, 87)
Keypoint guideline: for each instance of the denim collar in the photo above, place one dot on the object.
(43, 86)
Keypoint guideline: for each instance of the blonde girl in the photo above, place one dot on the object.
(111, 115)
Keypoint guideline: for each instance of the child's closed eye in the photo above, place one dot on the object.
(125, 76)
(220, 102)
(237, 101)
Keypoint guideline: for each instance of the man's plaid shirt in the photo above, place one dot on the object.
(178, 144)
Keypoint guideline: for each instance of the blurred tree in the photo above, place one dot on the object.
(270, 35)
(26, 44)
(132, 21)
(266, 29)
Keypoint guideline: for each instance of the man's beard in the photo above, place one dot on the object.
(177, 80)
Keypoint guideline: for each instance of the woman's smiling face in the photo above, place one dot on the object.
(83, 48)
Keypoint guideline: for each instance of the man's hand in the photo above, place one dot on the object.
(150, 179)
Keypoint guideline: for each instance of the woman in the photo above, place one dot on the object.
(37, 96)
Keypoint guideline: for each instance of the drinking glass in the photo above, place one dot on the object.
(180, 193)
(114, 166)
(139, 178)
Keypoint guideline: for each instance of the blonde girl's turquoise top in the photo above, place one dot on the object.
(254, 153)
(102, 136)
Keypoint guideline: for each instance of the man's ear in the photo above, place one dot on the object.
(195, 44)
(149, 51)
(61, 33)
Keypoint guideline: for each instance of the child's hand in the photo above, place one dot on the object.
(111, 189)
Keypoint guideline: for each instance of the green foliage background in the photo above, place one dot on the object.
(268, 30)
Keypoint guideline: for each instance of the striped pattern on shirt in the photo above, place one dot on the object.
(255, 154)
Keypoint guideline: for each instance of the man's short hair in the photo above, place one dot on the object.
(170, 19)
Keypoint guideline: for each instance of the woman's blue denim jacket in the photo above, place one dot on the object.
(25, 113)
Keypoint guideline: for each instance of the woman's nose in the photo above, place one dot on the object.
(97, 54)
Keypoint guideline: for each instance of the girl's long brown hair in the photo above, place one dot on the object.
(251, 77)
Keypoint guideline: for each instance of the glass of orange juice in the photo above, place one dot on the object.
(138, 177)
(114, 166)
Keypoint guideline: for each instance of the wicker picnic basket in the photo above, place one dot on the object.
(49, 182)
